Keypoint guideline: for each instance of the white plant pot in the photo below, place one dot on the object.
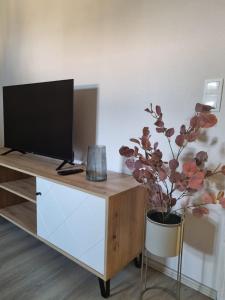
(162, 239)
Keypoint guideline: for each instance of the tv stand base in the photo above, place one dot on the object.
(63, 164)
(30, 189)
(12, 150)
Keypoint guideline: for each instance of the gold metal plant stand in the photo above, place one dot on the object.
(145, 260)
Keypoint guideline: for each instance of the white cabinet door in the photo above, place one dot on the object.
(73, 221)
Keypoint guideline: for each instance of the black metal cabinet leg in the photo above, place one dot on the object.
(138, 261)
(104, 287)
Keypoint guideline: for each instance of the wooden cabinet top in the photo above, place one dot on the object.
(45, 167)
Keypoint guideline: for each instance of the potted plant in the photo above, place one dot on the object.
(176, 185)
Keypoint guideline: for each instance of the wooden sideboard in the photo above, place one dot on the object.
(99, 225)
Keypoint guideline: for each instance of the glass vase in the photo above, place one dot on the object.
(96, 163)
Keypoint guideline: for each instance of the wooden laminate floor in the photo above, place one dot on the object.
(30, 270)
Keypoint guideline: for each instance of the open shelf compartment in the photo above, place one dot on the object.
(18, 183)
(22, 215)
(24, 188)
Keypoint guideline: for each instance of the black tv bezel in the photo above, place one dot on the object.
(70, 160)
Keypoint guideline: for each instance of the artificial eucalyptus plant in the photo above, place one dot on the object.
(168, 182)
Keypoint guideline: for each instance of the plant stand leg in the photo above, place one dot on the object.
(138, 261)
(104, 287)
(146, 270)
(180, 257)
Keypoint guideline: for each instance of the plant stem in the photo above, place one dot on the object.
(172, 190)
(216, 168)
(146, 154)
(166, 186)
(171, 148)
(181, 196)
(180, 151)
(214, 173)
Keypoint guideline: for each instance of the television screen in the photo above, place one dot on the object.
(38, 118)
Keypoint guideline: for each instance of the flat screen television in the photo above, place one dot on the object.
(38, 118)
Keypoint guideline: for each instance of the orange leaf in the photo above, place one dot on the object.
(194, 122)
(180, 140)
(158, 110)
(135, 141)
(145, 142)
(170, 132)
(189, 168)
(207, 120)
(173, 164)
(202, 107)
(126, 151)
(196, 181)
(159, 123)
(146, 131)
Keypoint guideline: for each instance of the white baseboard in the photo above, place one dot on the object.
(211, 293)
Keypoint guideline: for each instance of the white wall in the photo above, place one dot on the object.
(134, 52)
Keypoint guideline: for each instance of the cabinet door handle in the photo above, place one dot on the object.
(38, 194)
